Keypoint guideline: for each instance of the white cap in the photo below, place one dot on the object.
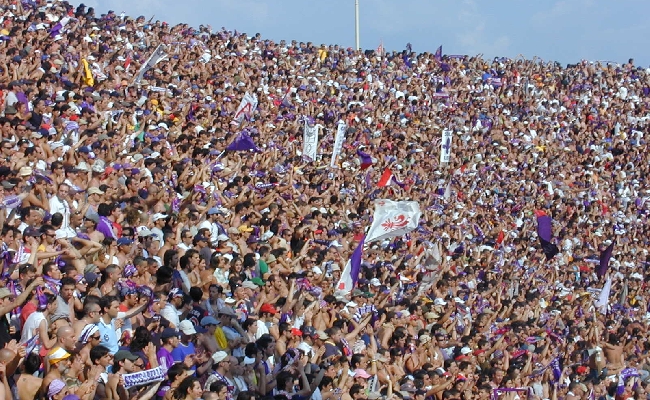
(187, 327)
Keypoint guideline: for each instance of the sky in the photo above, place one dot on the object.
(566, 31)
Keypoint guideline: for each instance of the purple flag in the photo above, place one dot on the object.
(605, 256)
(556, 369)
(366, 160)
(438, 54)
(544, 223)
(545, 233)
(243, 142)
(355, 262)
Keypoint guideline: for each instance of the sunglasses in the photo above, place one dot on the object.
(98, 337)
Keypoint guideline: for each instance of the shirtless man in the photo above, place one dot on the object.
(207, 340)
(26, 383)
(614, 355)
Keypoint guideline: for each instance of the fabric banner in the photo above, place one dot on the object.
(158, 55)
(393, 218)
(247, 106)
(350, 274)
(445, 146)
(310, 142)
(338, 142)
(603, 298)
(144, 377)
(603, 263)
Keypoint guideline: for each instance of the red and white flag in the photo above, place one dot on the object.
(380, 48)
(393, 218)
(388, 178)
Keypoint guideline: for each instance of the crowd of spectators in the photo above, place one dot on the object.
(141, 259)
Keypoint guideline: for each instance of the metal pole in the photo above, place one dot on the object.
(356, 24)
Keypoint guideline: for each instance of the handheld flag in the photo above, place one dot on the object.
(243, 142)
(605, 256)
(393, 218)
(247, 106)
(438, 54)
(544, 231)
(387, 178)
(366, 160)
(350, 274)
(380, 48)
(158, 55)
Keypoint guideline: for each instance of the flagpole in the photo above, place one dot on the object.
(356, 24)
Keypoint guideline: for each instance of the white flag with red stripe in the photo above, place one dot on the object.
(380, 48)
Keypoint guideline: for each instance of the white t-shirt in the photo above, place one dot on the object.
(171, 314)
(30, 329)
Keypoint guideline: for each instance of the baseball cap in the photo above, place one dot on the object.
(124, 241)
(158, 216)
(94, 190)
(214, 210)
(219, 356)
(187, 327)
(4, 292)
(209, 321)
(308, 331)
(122, 355)
(227, 310)
(175, 292)
(200, 238)
(360, 373)
(168, 333)
(143, 231)
(296, 332)
(268, 308)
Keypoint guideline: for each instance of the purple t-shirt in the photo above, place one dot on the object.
(165, 358)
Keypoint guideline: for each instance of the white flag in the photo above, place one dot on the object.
(393, 218)
(447, 194)
(310, 141)
(338, 142)
(158, 55)
(603, 298)
(445, 146)
(246, 107)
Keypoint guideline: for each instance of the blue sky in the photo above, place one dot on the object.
(559, 30)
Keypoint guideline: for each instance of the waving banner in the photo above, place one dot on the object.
(247, 106)
(310, 142)
(393, 218)
(445, 146)
(338, 142)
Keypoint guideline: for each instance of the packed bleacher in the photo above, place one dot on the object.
(192, 213)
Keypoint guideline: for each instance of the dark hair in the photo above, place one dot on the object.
(185, 385)
(68, 281)
(32, 363)
(246, 324)
(105, 302)
(283, 379)
(246, 395)
(196, 293)
(98, 352)
(216, 387)
(141, 338)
